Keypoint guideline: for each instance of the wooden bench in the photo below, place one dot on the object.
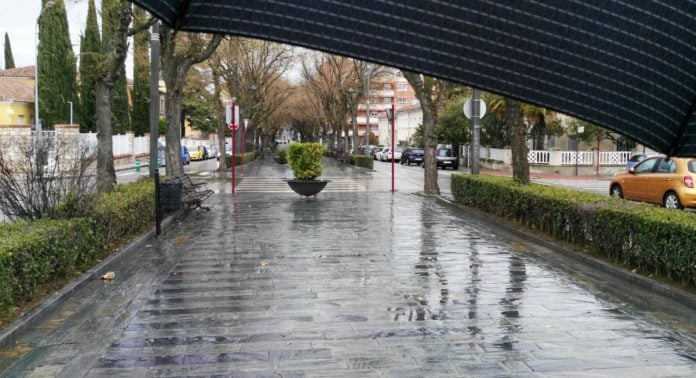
(193, 193)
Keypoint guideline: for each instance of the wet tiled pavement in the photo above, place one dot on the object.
(354, 283)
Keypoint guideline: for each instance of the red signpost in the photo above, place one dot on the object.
(233, 127)
(231, 115)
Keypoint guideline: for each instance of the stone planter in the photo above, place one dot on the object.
(307, 188)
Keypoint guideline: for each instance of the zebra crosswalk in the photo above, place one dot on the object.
(278, 185)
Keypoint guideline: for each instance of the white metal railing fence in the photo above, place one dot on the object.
(614, 157)
(577, 157)
(121, 146)
(141, 145)
(539, 157)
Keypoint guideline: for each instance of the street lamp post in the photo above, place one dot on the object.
(37, 122)
(579, 131)
(70, 102)
(391, 115)
(351, 92)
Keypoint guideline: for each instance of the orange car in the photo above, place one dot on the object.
(660, 180)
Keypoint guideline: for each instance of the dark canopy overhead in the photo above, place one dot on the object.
(626, 65)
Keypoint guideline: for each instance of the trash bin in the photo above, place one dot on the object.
(170, 195)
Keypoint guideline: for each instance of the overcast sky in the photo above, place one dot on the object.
(19, 21)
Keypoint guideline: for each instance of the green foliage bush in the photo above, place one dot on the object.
(34, 254)
(239, 158)
(305, 160)
(282, 153)
(362, 161)
(648, 237)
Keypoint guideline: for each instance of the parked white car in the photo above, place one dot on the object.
(397, 154)
(381, 155)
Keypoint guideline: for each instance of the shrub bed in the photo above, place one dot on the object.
(362, 161)
(34, 254)
(246, 157)
(650, 238)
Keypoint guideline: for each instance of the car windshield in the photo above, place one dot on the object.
(444, 153)
(692, 166)
(636, 158)
(418, 151)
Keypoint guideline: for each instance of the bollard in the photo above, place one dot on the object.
(158, 209)
(137, 165)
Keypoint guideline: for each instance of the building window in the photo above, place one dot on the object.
(401, 101)
(402, 87)
(387, 100)
(20, 119)
(387, 86)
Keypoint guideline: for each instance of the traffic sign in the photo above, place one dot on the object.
(467, 108)
(233, 126)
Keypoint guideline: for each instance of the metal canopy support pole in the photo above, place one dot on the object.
(476, 122)
(234, 143)
(154, 98)
(393, 121)
(367, 112)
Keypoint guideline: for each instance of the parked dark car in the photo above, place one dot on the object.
(446, 158)
(412, 155)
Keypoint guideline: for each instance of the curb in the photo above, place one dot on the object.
(643, 282)
(40, 312)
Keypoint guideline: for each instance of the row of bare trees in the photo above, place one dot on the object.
(253, 72)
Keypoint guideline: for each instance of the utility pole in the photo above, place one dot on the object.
(154, 98)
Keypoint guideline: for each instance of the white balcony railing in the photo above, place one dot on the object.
(580, 157)
(539, 157)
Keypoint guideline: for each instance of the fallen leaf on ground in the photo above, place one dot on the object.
(176, 273)
(181, 239)
(108, 276)
(264, 263)
(519, 248)
(15, 351)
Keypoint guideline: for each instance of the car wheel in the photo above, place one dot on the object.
(671, 201)
(616, 191)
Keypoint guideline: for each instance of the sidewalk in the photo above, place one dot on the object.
(356, 283)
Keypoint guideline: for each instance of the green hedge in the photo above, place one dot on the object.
(362, 161)
(35, 254)
(248, 156)
(648, 237)
(125, 211)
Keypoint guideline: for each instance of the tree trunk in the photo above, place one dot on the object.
(354, 120)
(106, 173)
(539, 132)
(518, 141)
(430, 185)
(175, 99)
